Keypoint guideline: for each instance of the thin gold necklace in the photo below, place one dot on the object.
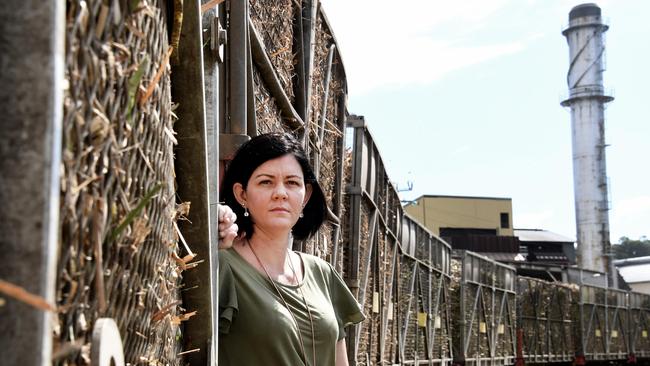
(302, 294)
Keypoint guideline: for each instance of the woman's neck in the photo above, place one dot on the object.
(271, 249)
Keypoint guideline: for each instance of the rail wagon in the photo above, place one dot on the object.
(484, 310)
(600, 315)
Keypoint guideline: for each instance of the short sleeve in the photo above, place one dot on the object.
(227, 297)
(347, 309)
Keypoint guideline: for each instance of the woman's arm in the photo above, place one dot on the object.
(341, 353)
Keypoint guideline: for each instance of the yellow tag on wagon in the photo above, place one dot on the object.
(422, 319)
(597, 332)
(482, 327)
(644, 334)
(614, 333)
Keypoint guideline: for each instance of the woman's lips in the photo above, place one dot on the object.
(280, 209)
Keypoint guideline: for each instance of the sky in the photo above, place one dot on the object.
(463, 98)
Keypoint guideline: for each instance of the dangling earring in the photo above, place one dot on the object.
(245, 211)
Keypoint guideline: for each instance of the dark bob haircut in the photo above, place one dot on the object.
(256, 152)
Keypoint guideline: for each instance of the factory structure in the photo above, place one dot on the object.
(484, 225)
(587, 100)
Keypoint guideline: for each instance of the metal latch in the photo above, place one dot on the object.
(218, 39)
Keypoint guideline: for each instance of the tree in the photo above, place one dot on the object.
(628, 248)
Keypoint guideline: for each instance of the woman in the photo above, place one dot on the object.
(276, 306)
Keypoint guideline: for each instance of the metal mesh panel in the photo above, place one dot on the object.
(267, 113)
(407, 308)
(117, 201)
(617, 324)
(441, 331)
(274, 21)
(424, 313)
(365, 271)
(483, 299)
(591, 316)
(388, 267)
(640, 324)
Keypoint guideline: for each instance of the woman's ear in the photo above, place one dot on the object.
(308, 190)
(239, 193)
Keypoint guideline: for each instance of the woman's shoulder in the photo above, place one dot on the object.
(313, 260)
(227, 257)
(318, 265)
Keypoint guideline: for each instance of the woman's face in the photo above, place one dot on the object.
(275, 195)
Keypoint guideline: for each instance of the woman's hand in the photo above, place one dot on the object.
(227, 227)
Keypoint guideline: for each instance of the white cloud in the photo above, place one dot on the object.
(460, 150)
(385, 44)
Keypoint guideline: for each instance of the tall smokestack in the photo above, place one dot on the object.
(585, 36)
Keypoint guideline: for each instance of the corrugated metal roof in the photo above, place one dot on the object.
(540, 235)
(635, 273)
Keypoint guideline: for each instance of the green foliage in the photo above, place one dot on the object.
(134, 84)
(135, 212)
(629, 248)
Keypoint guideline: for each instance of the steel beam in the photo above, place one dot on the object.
(31, 105)
(213, 70)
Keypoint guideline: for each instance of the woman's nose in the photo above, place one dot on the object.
(280, 192)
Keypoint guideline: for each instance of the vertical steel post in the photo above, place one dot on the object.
(31, 107)
(309, 18)
(239, 83)
(238, 67)
(194, 182)
(355, 191)
(338, 178)
(213, 81)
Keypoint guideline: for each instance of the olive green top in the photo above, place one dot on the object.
(255, 327)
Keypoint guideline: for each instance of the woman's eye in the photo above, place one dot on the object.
(294, 183)
(265, 182)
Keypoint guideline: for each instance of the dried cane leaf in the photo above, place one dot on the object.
(25, 296)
